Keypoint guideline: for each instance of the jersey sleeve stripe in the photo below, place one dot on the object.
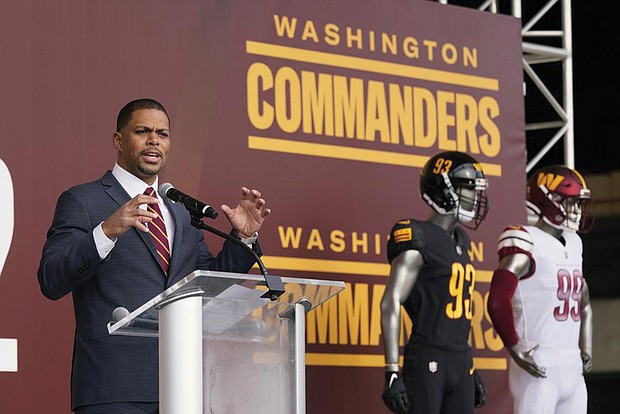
(515, 238)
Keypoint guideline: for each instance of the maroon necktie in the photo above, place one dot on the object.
(157, 228)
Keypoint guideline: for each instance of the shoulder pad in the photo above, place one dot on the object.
(515, 239)
(406, 231)
(405, 235)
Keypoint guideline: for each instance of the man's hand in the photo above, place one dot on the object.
(129, 215)
(480, 392)
(394, 393)
(526, 361)
(249, 214)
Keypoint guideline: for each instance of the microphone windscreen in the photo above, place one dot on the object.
(163, 189)
(119, 313)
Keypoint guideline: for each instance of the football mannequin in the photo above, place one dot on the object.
(432, 277)
(539, 300)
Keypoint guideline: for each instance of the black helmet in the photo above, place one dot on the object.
(442, 181)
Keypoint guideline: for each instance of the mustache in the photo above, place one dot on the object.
(152, 150)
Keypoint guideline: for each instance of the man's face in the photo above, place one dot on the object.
(143, 144)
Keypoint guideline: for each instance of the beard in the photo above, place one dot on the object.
(149, 170)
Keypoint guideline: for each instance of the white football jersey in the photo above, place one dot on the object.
(547, 302)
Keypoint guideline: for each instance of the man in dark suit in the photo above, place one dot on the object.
(100, 249)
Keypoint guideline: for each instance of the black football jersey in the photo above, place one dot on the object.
(439, 305)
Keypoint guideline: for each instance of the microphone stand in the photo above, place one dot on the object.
(275, 288)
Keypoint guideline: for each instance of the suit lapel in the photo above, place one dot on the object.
(116, 191)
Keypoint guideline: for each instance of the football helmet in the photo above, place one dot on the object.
(560, 196)
(452, 182)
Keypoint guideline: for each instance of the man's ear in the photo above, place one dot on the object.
(117, 141)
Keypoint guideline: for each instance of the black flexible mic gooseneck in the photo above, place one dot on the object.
(275, 287)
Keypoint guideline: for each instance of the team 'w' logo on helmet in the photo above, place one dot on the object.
(551, 181)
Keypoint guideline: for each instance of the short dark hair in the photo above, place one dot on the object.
(144, 103)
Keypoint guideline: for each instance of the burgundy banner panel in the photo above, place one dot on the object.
(329, 108)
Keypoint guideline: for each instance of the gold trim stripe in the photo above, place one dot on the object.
(348, 153)
(370, 65)
(374, 361)
(327, 266)
(484, 276)
(346, 267)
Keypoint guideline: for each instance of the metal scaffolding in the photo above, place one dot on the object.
(546, 40)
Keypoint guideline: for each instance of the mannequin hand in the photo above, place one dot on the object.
(394, 393)
(525, 360)
(587, 362)
(480, 392)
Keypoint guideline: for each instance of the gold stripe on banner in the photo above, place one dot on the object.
(370, 65)
(376, 361)
(349, 153)
(327, 266)
(346, 267)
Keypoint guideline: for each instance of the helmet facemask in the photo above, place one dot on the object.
(569, 213)
(452, 183)
(471, 205)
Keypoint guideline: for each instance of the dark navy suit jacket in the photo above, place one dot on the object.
(109, 368)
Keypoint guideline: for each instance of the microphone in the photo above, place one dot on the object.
(195, 207)
(137, 323)
(119, 313)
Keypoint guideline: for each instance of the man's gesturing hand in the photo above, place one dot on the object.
(129, 215)
(249, 214)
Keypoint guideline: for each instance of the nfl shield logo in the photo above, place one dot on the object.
(432, 366)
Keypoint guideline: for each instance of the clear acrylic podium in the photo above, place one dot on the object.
(223, 348)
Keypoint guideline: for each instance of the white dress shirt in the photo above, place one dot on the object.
(133, 186)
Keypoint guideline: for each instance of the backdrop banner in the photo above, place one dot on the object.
(328, 108)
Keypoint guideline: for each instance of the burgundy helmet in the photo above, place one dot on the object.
(560, 196)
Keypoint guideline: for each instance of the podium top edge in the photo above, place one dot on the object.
(259, 278)
(211, 283)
